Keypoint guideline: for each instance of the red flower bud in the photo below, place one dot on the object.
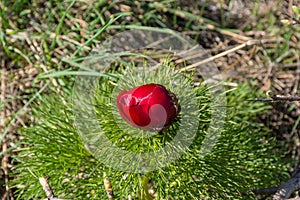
(148, 107)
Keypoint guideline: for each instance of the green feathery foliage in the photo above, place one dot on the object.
(244, 158)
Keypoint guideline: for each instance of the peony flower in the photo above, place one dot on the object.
(148, 107)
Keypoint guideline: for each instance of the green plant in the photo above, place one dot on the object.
(243, 158)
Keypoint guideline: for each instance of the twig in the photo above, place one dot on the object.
(4, 142)
(295, 198)
(212, 58)
(286, 189)
(277, 98)
(108, 188)
(265, 191)
(46, 187)
(297, 74)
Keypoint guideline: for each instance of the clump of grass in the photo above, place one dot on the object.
(243, 158)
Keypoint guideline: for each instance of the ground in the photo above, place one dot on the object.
(35, 36)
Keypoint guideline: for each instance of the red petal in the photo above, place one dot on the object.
(158, 116)
(143, 91)
(124, 100)
(139, 115)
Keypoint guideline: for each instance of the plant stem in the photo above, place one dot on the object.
(144, 191)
